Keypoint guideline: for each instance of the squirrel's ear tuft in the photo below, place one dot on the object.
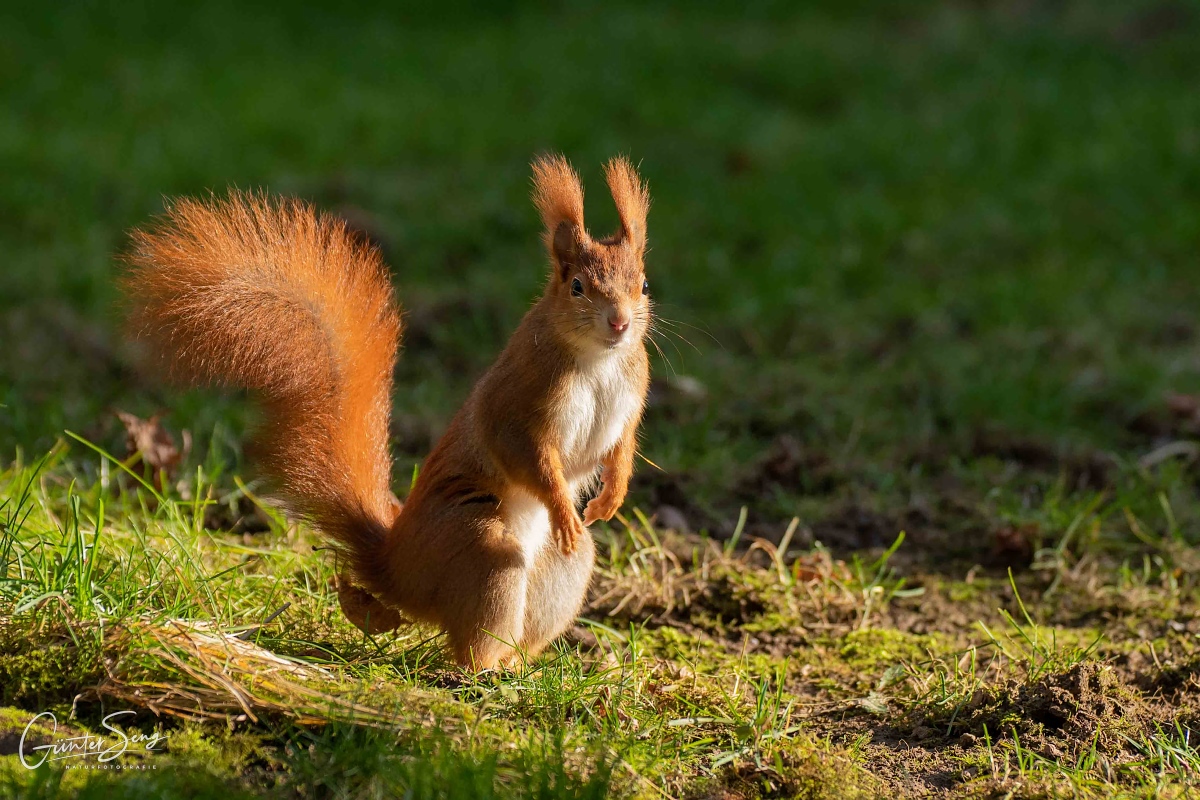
(632, 198)
(558, 195)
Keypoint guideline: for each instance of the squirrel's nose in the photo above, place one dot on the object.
(618, 321)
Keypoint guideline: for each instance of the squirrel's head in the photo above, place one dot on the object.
(597, 288)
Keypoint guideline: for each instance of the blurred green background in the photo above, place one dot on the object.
(900, 239)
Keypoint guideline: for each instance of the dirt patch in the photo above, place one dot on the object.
(813, 775)
(910, 769)
(790, 466)
(1083, 469)
(939, 609)
(947, 528)
(728, 597)
(1175, 687)
(1060, 713)
(674, 499)
(946, 532)
(1058, 716)
(730, 601)
(855, 527)
(1076, 703)
(741, 600)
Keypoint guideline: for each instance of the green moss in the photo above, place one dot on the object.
(773, 622)
(18, 718)
(218, 751)
(801, 769)
(39, 669)
(875, 649)
(704, 655)
(961, 591)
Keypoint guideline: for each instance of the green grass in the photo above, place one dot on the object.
(932, 267)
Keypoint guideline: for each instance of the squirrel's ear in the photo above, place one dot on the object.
(558, 195)
(632, 198)
(567, 246)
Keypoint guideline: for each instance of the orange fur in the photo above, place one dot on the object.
(271, 296)
(266, 295)
(632, 199)
(557, 194)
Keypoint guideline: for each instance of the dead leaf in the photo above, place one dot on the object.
(151, 439)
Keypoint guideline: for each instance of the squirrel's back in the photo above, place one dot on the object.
(268, 295)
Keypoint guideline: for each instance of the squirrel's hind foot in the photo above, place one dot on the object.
(367, 613)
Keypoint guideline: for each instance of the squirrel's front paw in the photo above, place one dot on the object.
(568, 530)
(603, 506)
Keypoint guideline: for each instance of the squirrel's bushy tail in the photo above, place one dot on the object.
(266, 294)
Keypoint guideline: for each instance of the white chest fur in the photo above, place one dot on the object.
(594, 408)
(590, 415)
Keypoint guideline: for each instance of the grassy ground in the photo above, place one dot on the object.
(933, 269)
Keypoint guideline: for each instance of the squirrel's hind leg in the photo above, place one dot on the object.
(365, 611)
(557, 587)
(484, 598)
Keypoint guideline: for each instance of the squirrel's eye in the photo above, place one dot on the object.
(645, 286)
(577, 288)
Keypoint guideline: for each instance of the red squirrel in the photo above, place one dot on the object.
(268, 295)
